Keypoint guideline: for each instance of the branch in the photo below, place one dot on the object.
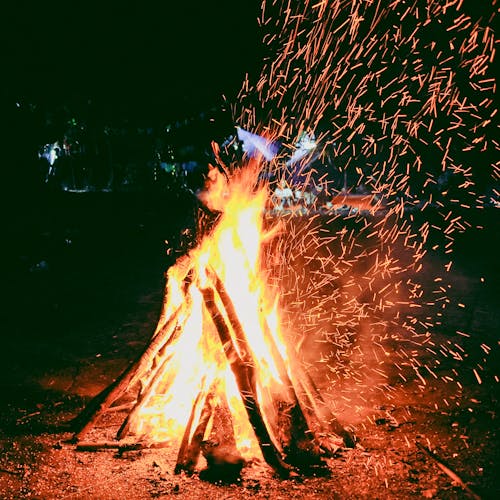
(448, 471)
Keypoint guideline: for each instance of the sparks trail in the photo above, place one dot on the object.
(401, 99)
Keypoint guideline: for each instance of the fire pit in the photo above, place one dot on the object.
(218, 378)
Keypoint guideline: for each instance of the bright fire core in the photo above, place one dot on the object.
(196, 365)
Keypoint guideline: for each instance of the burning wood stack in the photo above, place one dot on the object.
(217, 378)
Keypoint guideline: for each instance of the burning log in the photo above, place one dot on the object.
(220, 450)
(294, 433)
(320, 408)
(223, 464)
(245, 379)
(189, 451)
(155, 377)
(164, 335)
(127, 379)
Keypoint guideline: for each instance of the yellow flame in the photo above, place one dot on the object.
(196, 359)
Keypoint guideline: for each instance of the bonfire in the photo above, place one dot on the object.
(218, 378)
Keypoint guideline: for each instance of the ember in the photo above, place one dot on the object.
(218, 373)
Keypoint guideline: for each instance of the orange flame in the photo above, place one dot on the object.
(195, 363)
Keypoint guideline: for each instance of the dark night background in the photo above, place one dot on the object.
(144, 58)
(129, 67)
(103, 65)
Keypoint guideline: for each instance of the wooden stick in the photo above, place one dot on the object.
(164, 334)
(125, 406)
(222, 431)
(194, 450)
(87, 418)
(158, 374)
(313, 395)
(300, 439)
(189, 450)
(122, 383)
(118, 445)
(13, 472)
(244, 375)
(453, 475)
(240, 337)
(164, 338)
(183, 268)
(107, 445)
(154, 376)
(219, 448)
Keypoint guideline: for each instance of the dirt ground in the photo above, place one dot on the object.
(84, 291)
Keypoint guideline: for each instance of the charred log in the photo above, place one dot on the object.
(297, 440)
(224, 461)
(293, 429)
(245, 377)
(329, 422)
(190, 448)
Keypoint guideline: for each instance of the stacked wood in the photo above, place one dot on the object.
(219, 449)
(292, 428)
(288, 438)
(128, 379)
(244, 373)
(190, 448)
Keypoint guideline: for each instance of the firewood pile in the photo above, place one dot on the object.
(207, 342)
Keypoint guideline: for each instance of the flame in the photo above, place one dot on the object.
(196, 366)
